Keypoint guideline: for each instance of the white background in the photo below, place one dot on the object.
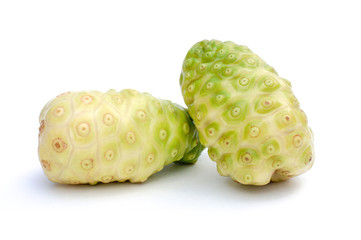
(49, 47)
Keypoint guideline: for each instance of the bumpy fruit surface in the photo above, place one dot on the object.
(245, 114)
(90, 137)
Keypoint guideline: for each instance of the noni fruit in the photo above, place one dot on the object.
(245, 114)
(90, 137)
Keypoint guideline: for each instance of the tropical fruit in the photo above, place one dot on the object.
(245, 114)
(90, 137)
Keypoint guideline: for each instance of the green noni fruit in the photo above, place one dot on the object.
(245, 114)
(90, 137)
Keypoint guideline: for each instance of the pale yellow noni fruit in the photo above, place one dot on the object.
(90, 137)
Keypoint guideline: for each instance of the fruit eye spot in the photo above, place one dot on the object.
(251, 61)
(244, 81)
(58, 112)
(45, 165)
(86, 99)
(108, 119)
(269, 83)
(59, 145)
(276, 164)
(217, 66)
(87, 164)
(163, 134)
(188, 62)
(174, 152)
(199, 116)
(41, 128)
(209, 85)
(157, 104)
(83, 129)
(191, 87)
(284, 173)
(246, 158)
(270, 149)
(267, 103)
(130, 169)
(202, 67)
(109, 155)
(227, 142)
(107, 179)
(141, 114)
(297, 141)
(130, 137)
(117, 99)
(236, 111)
(308, 159)
(286, 119)
(219, 98)
(150, 158)
(228, 71)
(254, 131)
(247, 178)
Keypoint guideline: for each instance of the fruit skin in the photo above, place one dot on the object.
(245, 114)
(90, 137)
